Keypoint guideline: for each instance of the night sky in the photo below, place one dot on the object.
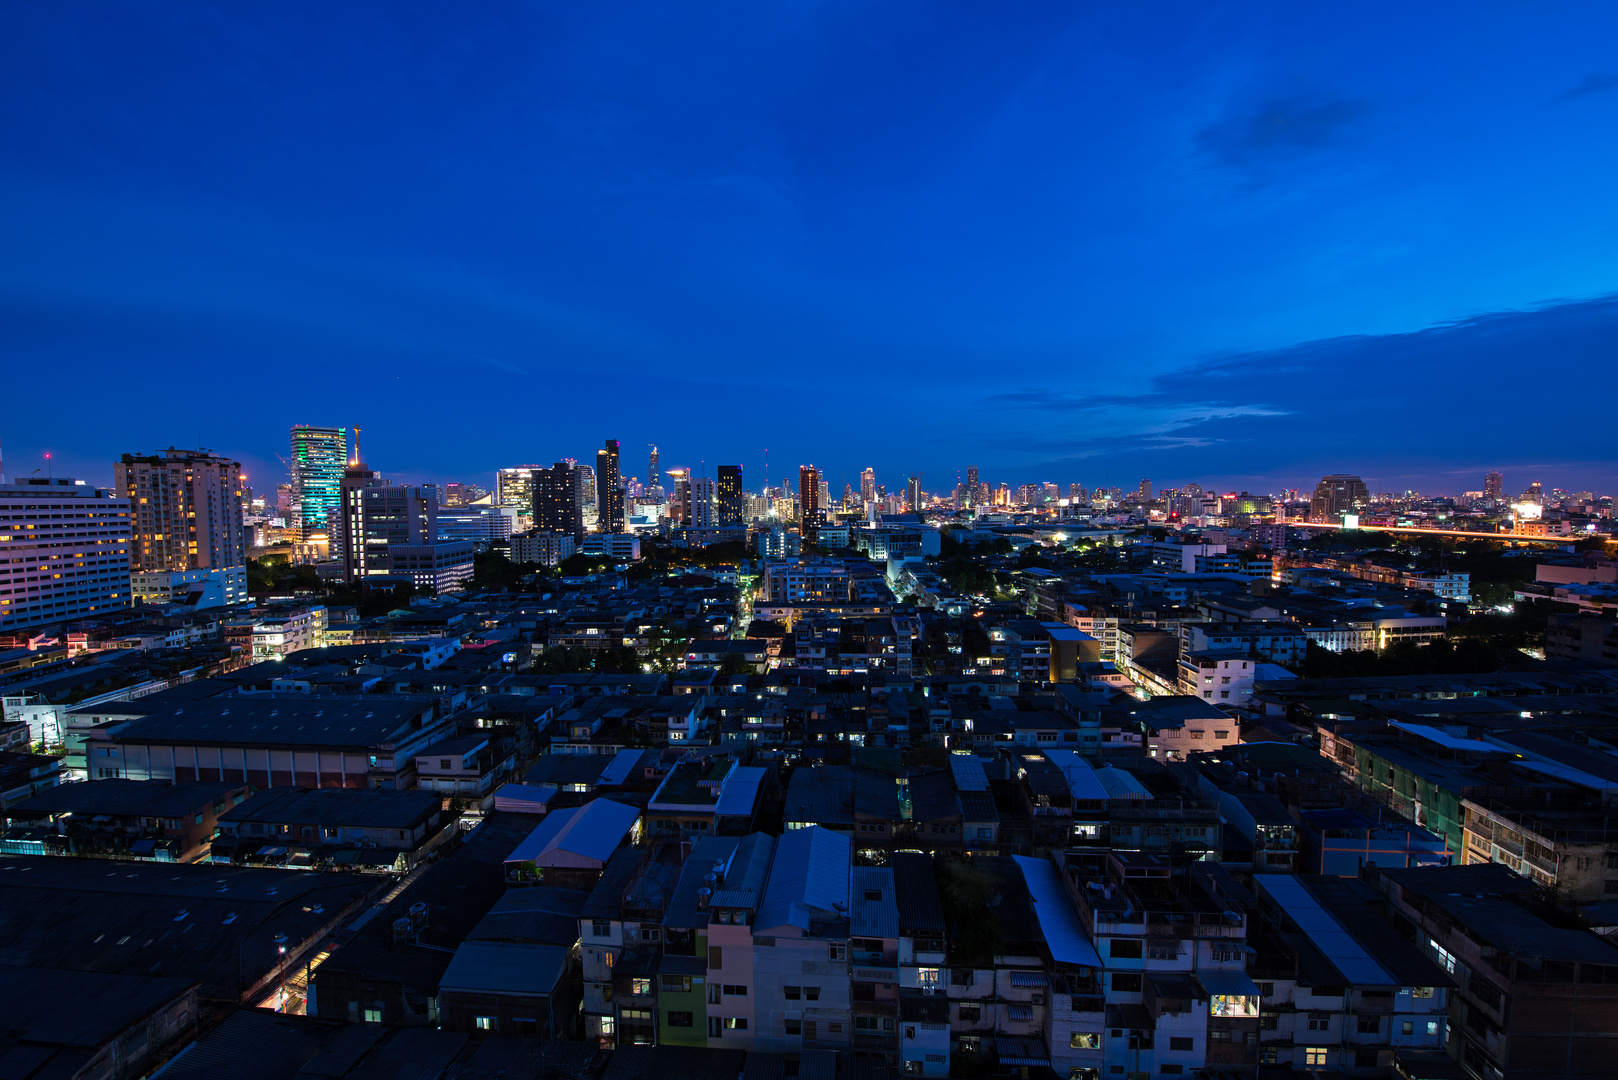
(1240, 244)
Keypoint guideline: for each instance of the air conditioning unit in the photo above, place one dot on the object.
(1038, 999)
(927, 990)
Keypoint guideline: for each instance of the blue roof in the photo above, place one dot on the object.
(1082, 781)
(809, 878)
(1058, 922)
(592, 831)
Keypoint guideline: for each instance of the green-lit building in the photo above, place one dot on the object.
(319, 457)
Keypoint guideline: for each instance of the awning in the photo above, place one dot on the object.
(1228, 983)
(143, 847)
(1012, 1051)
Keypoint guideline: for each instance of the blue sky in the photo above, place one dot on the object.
(1240, 244)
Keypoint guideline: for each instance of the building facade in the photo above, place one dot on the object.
(64, 551)
(319, 457)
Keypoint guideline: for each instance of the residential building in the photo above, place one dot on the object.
(312, 828)
(731, 499)
(811, 512)
(515, 486)
(542, 547)
(185, 515)
(64, 551)
(609, 489)
(612, 546)
(1218, 675)
(279, 634)
(556, 500)
(1336, 496)
(800, 930)
(137, 819)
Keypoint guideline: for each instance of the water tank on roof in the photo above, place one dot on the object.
(703, 896)
(401, 931)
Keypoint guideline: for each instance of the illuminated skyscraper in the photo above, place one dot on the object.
(1144, 492)
(187, 510)
(651, 470)
(609, 489)
(811, 512)
(1494, 486)
(348, 543)
(868, 485)
(971, 485)
(913, 493)
(700, 494)
(515, 486)
(319, 456)
(732, 503)
(64, 551)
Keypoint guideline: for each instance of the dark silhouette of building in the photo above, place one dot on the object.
(1336, 495)
(732, 503)
(556, 504)
(810, 513)
(609, 489)
(1494, 486)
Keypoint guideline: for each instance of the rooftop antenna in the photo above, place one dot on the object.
(50, 470)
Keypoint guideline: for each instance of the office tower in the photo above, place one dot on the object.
(1535, 494)
(515, 486)
(1494, 486)
(700, 503)
(64, 551)
(349, 540)
(651, 469)
(811, 513)
(556, 500)
(609, 491)
(1144, 492)
(732, 504)
(913, 493)
(1336, 495)
(972, 482)
(319, 456)
(868, 485)
(186, 510)
(397, 516)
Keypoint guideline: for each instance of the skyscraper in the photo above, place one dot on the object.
(395, 517)
(680, 497)
(319, 456)
(811, 512)
(971, 485)
(732, 504)
(701, 503)
(868, 485)
(1144, 492)
(609, 491)
(187, 510)
(1494, 486)
(556, 500)
(651, 469)
(913, 493)
(349, 540)
(1336, 495)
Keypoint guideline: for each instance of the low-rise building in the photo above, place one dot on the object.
(301, 828)
(137, 819)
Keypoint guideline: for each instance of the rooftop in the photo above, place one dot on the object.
(371, 808)
(142, 798)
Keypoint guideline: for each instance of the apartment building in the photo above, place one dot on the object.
(64, 551)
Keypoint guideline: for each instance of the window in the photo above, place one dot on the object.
(487, 1023)
(735, 1023)
(735, 990)
(1124, 949)
(811, 993)
(1612, 861)
(651, 933)
(1171, 1070)
(794, 993)
(1319, 1021)
(680, 1019)
(1221, 734)
(373, 1016)
(640, 987)
(833, 1027)
(1407, 1028)
(794, 1027)
(960, 977)
(714, 1029)
(1164, 952)
(1266, 989)
(931, 976)
(971, 1014)
(1314, 1055)
(983, 834)
(1125, 983)
(836, 950)
(1432, 1027)
(600, 928)
(679, 984)
(716, 955)
(1369, 1025)
(1609, 887)
(1179, 1042)
(873, 894)
(1421, 991)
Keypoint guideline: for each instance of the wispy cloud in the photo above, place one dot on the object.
(1279, 128)
(1599, 82)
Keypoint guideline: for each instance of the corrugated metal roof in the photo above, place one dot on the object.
(1121, 784)
(740, 793)
(874, 918)
(592, 831)
(1082, 781)
(498, 967)
(623, 763)
(1325, 932)
(1068, 942)
(810, 876)
(969, 773)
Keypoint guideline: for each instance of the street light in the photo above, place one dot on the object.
(281, 950)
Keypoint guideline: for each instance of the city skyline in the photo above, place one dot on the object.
(1251, 245)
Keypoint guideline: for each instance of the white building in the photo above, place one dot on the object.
(64, 551)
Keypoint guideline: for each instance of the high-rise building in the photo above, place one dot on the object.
(868, 485)
(609, 491)
(396, 516)
(811, 512)
(1535, 494)
(651, 470)
(913, 493)
(732, 502)
(680, 497)
(1336, 495)
(1494, 486)
(515, 486)
(349, 539)
(971, 485)
(319, 456)
(556, 500)
(1144, 492)
(700, 503)
(64, 551)
(186, 507)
